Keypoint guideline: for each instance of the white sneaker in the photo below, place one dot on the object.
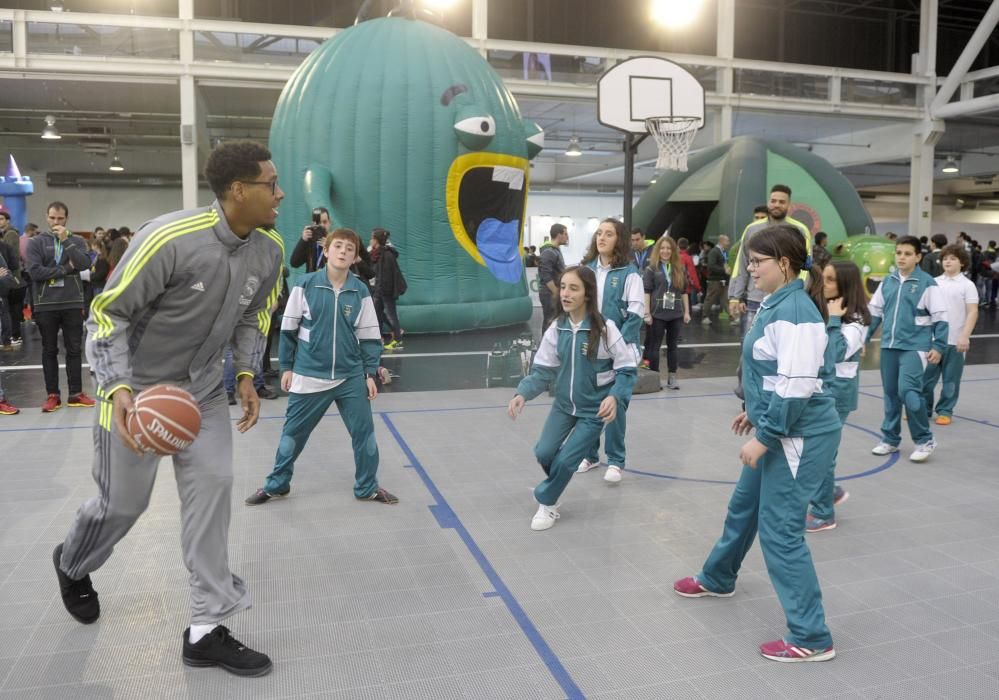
(883, 448)
(586, 465)
(545, 517)
(613, 474)
(923, 452)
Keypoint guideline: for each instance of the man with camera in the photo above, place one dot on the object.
(54, 262)
(309, 249)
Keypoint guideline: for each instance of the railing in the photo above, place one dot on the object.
(244, 51)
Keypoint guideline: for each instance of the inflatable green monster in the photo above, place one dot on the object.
(397, 123)
(874, 255)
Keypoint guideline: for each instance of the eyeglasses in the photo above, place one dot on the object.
(755, 262)
(270, 183)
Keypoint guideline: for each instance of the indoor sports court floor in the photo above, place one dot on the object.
(450, 595)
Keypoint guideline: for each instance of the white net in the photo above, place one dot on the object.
(674, 136)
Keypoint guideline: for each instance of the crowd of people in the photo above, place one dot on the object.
(805, 318)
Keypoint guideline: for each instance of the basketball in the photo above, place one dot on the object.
(166, 419)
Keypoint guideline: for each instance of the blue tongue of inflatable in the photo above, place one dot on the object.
(498, 243)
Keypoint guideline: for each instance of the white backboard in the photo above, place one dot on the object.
(644, 87)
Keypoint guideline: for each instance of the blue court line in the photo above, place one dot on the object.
(449, 520)
(987, 424)
(875, 470)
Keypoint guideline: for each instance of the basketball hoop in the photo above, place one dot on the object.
(674, 135)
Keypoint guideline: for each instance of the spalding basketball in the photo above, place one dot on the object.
(166, 419)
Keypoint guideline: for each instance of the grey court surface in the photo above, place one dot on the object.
(450, 595)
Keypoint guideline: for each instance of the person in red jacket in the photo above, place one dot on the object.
(688, 262)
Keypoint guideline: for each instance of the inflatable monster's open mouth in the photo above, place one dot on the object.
(486, 195)
(871, 284)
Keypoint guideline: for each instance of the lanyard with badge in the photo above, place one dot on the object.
(57, 245)
(668, 300)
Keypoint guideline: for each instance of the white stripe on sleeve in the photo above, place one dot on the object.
(366, 326)
(800, 349)
(294, 310)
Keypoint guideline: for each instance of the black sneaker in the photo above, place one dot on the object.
(265, 392)
(261, 496)
(220, 648)
(78, 596)
(381, 496)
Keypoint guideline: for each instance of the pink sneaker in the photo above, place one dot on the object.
(782, 651)
(690, 588)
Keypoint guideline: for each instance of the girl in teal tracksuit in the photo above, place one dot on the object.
(912, 316)
(797, 434)
(621, 296)
(593, 370)
(847, 327)
(330, 348)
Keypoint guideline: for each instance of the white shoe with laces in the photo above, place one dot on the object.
(545, 517)
(586, 465)
(613, 474)
(923, 452)
(883, 448)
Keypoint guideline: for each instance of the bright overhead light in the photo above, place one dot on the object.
(439, 4)
(116, 166)
(57, 5)
(50, 132)
(675, 14)
(950, 166)
(653, 180)
(573, 149)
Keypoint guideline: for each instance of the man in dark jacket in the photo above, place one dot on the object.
(716, 280)
(7, 282)
(309, 249)
(54, 262)
(550, 267)
(389, 285)
(15, 297)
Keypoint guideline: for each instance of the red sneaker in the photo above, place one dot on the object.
(788, 653)
(81, 400)
(7, 410)
(52, 403)
(690, 588)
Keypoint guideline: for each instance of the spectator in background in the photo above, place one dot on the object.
(688, 264)
(820, 254)
(389, 285)
(309, 249)
(717, 280)
(116, 253)
(101, 268)
(667, 304)
(6, 283)
(55, 260)
(550, 267)
(15, 294)
(639, 249)
(931, 263)
(760, 212)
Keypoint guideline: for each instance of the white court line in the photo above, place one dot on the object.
(17, 368)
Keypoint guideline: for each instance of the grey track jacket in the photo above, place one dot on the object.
(186, 286)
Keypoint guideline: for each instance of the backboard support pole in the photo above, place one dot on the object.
(631, 143)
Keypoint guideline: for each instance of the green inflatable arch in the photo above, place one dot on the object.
(397, 123)
(724, 183)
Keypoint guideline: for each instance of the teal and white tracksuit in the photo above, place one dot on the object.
(784, 375)
(580, 384)
(622, 300)
(957, 293)
(846, 341)
(911, 314)
(331, 343)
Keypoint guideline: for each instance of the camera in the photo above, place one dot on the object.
(318, 230)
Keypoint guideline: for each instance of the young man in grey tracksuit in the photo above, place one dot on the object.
(190, 282)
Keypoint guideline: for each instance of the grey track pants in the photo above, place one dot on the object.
(204, 483)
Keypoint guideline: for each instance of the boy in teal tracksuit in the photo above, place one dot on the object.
(622, 301)
(590, 387)
(908, 307)
(330, 349)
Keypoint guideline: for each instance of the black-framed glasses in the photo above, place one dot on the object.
(755, 262)
(270, 183)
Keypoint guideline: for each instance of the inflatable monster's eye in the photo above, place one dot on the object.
(535, 138)
(867, 269)
(475, 132)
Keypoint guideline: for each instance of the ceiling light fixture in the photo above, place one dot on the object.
(50, 132)
(675, 14)
(950, 166)
(573, 149)
(116, 164)
(57, 6)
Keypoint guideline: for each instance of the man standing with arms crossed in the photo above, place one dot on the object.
(743, 297)
(550, 267)
(190, 282)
